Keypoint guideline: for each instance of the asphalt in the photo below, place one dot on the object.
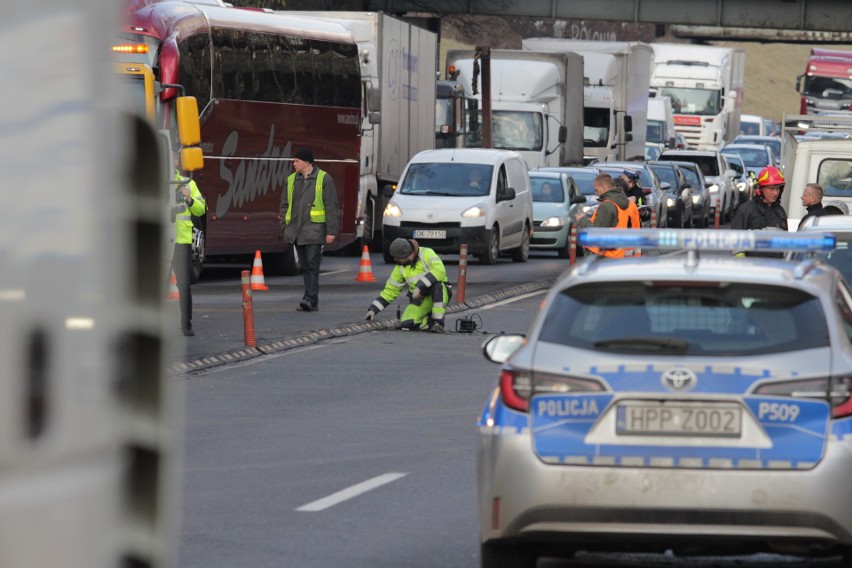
(220, 332)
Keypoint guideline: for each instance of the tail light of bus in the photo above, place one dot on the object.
(836, 390)
(517, 386)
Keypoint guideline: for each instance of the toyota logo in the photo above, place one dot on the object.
(679, 379)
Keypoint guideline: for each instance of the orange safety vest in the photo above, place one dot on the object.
(635, 223)
(623, 216)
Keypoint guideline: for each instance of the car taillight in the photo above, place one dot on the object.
(516, 386)
(836, 390)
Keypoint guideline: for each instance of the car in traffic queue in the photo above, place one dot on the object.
(718, 172)
(556, 199)
(694, 402)
(744, 182)
(700, 192)
(584, 179)
(755, 156)
(654, 189)
(773, 142)
(679, 198)
(453, 196)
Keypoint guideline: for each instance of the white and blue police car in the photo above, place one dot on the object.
(690, 401)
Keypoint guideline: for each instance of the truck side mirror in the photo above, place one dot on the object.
(374, 99)
(628, 124)
(563, 134)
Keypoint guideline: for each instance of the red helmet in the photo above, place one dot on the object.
(770, 176)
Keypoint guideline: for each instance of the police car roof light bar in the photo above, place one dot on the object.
(705, 240)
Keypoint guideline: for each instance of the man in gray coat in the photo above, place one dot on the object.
(309, 216)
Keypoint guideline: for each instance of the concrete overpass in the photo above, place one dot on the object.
(764, 19)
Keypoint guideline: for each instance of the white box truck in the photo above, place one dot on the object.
(660, 127)
(536, 103)
(824, 156)
(705, 84)
(616, 77)
(399, 64)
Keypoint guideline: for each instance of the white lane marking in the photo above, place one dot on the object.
(351, 492)
(335, 272)
(515, 299)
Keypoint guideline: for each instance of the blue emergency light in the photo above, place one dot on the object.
(705, 240)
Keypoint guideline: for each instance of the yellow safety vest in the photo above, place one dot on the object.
(318, 206)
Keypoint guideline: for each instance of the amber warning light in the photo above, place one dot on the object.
(130, 48)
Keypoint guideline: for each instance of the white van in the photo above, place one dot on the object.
(452, 196)
(753, 125)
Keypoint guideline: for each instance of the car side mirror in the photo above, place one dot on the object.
(578, 199)
(646, 190)
(507, 195)
(664, 185)
(500, 347)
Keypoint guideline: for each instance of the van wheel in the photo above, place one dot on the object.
(522, 253)
(492, 251)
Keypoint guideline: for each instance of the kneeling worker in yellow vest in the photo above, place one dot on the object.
(612, 212)
(421, 274)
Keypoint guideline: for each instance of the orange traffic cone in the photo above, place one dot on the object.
(365, 270)
(173, 289)
(257, 282)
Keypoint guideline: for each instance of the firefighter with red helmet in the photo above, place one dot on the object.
(764, 211)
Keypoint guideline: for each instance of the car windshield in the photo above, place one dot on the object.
(453, 180)
(753, 158)
(691, 177)
(666, 174)
(705, 102)
(546, 190)
(708, 164)
(695, 319)
(773, 143)
(585, 182)
(516, 130)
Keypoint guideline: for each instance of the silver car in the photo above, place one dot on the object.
(691, 401)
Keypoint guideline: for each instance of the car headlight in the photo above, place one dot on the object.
(696, 199)
(741, 185)
(553, 222)
(714, 188)
(589, 209)
(393, 210)
(670, 202)
(477, 210)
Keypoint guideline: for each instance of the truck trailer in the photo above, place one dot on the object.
(615, 92)
(398, 74)
(536, 103)
(705, 84)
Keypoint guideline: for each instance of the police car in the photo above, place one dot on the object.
(690, 401)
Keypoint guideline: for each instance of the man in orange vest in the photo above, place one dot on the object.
(612, 212)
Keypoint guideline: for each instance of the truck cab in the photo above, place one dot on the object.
(456, 116)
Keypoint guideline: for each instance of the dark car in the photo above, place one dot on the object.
(655, 192)
(679, 199)
(700, 194)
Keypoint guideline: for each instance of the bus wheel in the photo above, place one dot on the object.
(283, 263)
(197, 255)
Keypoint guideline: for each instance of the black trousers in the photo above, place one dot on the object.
(182, 265)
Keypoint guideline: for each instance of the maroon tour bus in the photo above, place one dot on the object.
(266, 85)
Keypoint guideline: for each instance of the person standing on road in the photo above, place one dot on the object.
(812, 200)
(190, 203)
(612, 212)
(420, 271)
(634, 191)
(308, 216)
(764, 210)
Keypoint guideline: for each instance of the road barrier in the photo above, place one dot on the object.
(717, 219)
(365, 268)
(461, 285)
(257, 280)
(248, 311)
